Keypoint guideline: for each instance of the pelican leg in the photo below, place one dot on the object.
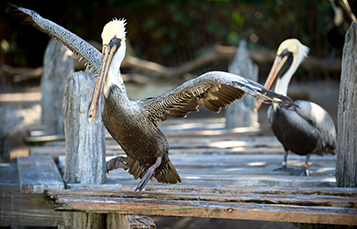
(148, 175)
(303, 171)
(283, 167)
(116, 163)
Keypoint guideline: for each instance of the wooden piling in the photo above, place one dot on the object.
(346, 165)
(241, 113)
(85, 146)
(58, 64)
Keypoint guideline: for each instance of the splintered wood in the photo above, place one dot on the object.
(323, 206)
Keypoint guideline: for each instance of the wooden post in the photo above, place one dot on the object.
(74, 220)
(85, 145)
(346, 165)
(121, 221)
(58, 64)
(241, 113)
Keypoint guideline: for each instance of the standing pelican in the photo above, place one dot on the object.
(133, 124)
(306, 129)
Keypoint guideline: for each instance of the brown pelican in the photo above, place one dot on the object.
(133, 124)
(306, 129)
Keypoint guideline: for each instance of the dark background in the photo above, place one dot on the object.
(173, 32)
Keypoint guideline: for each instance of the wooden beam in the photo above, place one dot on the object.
(319, 209)
(37, 173)
(21, 209)
(348, 192)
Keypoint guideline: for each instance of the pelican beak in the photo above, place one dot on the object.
(108, 52)
(279, 62)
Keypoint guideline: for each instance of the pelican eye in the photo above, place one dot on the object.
(115, 41)
(286, 52)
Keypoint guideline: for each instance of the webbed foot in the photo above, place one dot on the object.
(283, 168)
(116, 163)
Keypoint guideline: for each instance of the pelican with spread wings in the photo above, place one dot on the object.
(133, 124)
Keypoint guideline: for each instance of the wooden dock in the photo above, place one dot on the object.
(225, 174)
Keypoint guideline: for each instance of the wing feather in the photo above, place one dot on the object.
(77, 45)
(319, 118)
(214, 90)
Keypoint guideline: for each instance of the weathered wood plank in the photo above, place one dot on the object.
(56, 151)
(264, 164)
(21, 209)
(199, 206)
(239, 131)
(8, 174)
(234, 181)
(195, 121)
(209, 141)
(234, 171)
(215, 142)
(37, 173)
(349, 200)
(335, 191)
(319, 215)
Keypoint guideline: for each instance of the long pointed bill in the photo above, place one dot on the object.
(107, 56)
(278, 64)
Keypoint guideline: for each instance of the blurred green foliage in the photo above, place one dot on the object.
(170, 32)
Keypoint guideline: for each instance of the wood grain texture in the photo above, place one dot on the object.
(23, 209)
(129, 221)
(346, 166)
(85, 146)
(331, 206)
(37, 173)
(58, 64)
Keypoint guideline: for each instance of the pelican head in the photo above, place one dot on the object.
(288, 58)
(113, 52)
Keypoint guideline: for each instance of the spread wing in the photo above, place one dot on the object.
(319, 118)
(77, 45)
(214, 90)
